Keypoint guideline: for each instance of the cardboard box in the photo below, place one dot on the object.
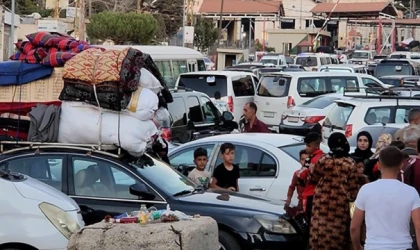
(44, 90)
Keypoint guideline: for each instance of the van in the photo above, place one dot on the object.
(235, 87)
(405, 55)
(278, 92)
(363, 57)
(275, 59)
(352, 68)
(312, 61)
(397, 67)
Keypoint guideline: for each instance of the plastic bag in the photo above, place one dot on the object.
(168, 215)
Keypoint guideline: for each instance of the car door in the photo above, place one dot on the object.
(243, 88)
(186, 157)
(47, 168)
(101, 188)
(179, 128)
(257, 168)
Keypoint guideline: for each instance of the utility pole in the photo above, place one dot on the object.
(57, 9)
(184, 19)
(249, 36)
(219, 33)
(82, 20)
(12, 29)
(138, 9)
(90, 8)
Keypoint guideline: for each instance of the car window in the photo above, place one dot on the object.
(388, 69)
(394, 82)
(177, 111)
(96, 178)
(319, 102)
(47, 169)
(201, 65)
(401, 115)
(243, 86)
(375, 132)
(165, 69)
(250, 162)
(194, 110)
(209, 110)
(398, 56)
(338, 84)
(339, 116)
(307, 61)
(378, 115)
(368, 82)
(186, 156)
(179, 67)
(312, 86)
(274, 86)
(207, 84)
(293, 150)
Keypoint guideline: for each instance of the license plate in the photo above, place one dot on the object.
(293, 119)
(269, 114)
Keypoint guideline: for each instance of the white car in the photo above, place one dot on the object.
(308, 116)
(349, 116)
(35, 215)
(266, 162)
(278, 92)
(351, 68)
(209, 64)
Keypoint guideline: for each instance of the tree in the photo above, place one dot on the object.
(123, 27)
(160, 34)
(205, 34)
(171, 11)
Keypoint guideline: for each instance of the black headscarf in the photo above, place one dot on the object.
(363, 154)
(338, 144)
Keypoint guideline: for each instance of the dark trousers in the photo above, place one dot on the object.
(308, 211)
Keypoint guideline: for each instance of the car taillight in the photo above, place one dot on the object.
(166, 134)
(312, 119)
(230, 103)
(349, 130)
(290, 102)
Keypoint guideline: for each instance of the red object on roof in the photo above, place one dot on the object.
(242, 6)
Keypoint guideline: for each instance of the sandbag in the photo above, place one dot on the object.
(149, 81)
(84, 124)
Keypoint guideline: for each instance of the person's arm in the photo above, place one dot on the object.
(292, 188)
(415, 214)
(237, 185)
(357, 220)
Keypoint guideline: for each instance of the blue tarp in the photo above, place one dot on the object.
(18, 73)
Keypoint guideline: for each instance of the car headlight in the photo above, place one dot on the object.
(276, 225)
(60, 219)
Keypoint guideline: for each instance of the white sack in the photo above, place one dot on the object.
(162, 115)
(149, 81)
(143, 104)
(80, 124)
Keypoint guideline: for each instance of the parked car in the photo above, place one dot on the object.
(236, 88)
(363, 57)
(107, 183)
(194, 115)
(352, 68)
(277, 92)
(312, 61)
(397, 67)
(405, 55)
(349, 116)
(33, 214)
(276, 59)
(375, 131)
(308, 116)
(209, 64)
(266, 161)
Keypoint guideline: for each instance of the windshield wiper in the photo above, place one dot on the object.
(184, 192)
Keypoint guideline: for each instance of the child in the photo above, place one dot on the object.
(295, 185)
(219, 103)
(226, 175)
(199, 175)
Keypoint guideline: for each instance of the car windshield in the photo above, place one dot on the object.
(389, 69)
(274, 86)
(207, 60)
(207, 84)
(319, 102)
(361, 55)
(269, 61)
(162, 175)
(306, 61)
(398, 56)
(293, 150)
(375, 132)
(393, 82)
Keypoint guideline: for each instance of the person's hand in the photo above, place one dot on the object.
(232, 189)
(287, 204)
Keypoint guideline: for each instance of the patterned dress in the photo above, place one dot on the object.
(337, 185)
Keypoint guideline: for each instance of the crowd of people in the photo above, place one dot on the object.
(361, 199)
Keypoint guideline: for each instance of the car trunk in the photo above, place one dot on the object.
(336, 121)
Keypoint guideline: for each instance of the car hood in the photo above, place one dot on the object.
(236, 201)
(36, 190)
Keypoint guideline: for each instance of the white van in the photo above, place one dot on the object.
(171, 60)
(363, 57)
(35, 215)
(405, 55)
(276, 59)
(235, 87)
(312, 61)
(277, 92)
(351, 68)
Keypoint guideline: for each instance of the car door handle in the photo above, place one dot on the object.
(257, 189)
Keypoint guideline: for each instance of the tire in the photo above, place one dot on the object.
(228, 242)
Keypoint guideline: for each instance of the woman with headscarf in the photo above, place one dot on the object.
(337, 185)
(371, 165)
(364, 144)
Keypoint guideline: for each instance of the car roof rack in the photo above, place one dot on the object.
(177, 88)
(7, 147)
(384, 93)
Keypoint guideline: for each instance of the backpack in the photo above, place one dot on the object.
(408, 171)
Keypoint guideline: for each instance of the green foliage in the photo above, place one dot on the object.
(171, 12)
(205, 34)
(160, 34)
(123, 27)
(259, 47)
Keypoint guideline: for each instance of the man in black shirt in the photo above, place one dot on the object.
(226, 175)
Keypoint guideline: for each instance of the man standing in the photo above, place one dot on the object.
(253, 125)
(387, 206)
(413, 120)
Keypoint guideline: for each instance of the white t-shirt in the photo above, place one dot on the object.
(199, 177)
(387, 204)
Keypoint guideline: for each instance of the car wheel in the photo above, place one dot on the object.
(227, 241)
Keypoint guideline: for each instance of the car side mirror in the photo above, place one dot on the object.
(227, 116)
(141, 191)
